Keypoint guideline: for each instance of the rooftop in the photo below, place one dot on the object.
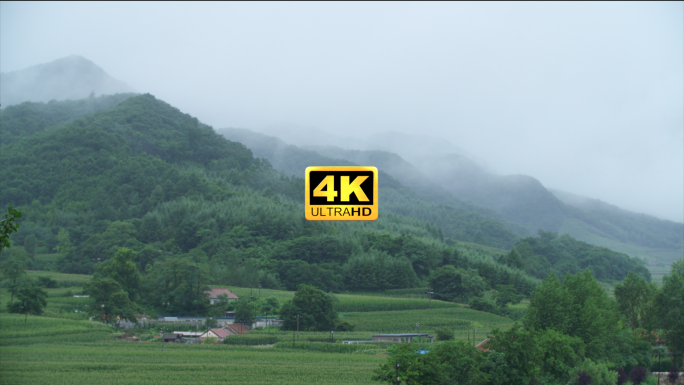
(214, 293)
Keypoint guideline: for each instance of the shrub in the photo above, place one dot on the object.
(250, 339)
(444, 334)
(583, 378)
(674, 374)
(343, 326)
(622, 376)
(597, 374)
(482, 304)
(637, 375)
(209, 340)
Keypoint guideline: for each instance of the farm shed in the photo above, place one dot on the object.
(172, 337)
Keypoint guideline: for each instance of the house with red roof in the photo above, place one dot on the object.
(481, 345)
(236, 328)
(219, 334)
(214, 295)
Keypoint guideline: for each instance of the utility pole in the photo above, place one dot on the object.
(474, 331)
(259, 291)
(430, 293)
(397, 371)
(293, 333)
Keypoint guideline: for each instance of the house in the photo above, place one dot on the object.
(481, 345)
(172, 337)
(235, 329)
(403, 337)
(214, 295)
(219, 334)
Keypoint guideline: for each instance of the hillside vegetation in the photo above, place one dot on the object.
(144, 176)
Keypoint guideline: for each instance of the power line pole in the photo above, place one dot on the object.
(293, 332)
(430, 293)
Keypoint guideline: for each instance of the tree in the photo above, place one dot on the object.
(64, 246)
(506, 294)
(30, 299)
(451, 362)
(122, 269)
(452, 284)
(635, 299)
(13, 268)
(314, 306)
(670, 305)
(245, 311)
(549, 306)
(270, 305)
(8, 226)
(178, 285)
(30, 245)
(109, 299)
(444, 333)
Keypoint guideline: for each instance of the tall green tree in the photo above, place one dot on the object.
(549, 306)
(670, 303)
(635, 299)
(30, 299)
(122, 269)
(8, 225)
(314, 306)
(109, 300)
(452, 284)
(13, 268)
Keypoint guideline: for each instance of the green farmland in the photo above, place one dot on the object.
(63, 347)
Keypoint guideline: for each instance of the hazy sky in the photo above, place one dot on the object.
(586, 97)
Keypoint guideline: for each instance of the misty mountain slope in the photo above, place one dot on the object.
(69, 78)
(625, 225)
(145, 176)
(464, 224)
(413, 178)
(28, 118)
(520, 199)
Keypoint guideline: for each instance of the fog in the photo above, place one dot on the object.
(586, 97)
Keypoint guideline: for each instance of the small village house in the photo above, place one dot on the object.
(215, 293)
(219, 334)
(234, 329)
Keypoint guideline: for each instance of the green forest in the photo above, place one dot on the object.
(108, 181)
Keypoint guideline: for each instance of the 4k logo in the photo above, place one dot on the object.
(341, 193)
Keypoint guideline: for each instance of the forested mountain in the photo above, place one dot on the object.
(457, 219)
(549, 253)
(201, 209)
(517, 199)
(72, 77)
(28, 118)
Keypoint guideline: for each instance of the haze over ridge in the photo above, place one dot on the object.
(587, 98)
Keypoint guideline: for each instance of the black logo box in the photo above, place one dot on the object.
(316, 177)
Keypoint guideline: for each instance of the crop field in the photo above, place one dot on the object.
(54, 351)
(461, 320)
(353, 302)
(63, 347)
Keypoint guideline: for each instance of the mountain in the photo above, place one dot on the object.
(145, 176)
(438, 170)
(456, 219)
(72, 77)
